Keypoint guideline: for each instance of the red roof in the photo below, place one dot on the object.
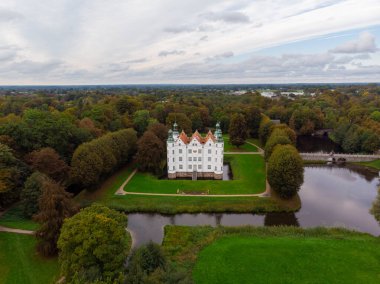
(185, 139)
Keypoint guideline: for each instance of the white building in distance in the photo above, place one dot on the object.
(195, 156)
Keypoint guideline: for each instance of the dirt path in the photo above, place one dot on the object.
(261, 151)
(120, 190)
(242, 153)
(17, 231)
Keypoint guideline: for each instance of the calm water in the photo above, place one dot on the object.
(313, 144)
(331, 196)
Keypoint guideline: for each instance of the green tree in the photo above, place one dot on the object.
(31, 193)
(273, 141)
(150, 153)
(182, 120)
(141, 120)
(145, 262)
(55, 206)
(253, 118)
(160, 130)
(265, 129)
(237, 130)
(375, 115)
(285, 171)
(94, 245)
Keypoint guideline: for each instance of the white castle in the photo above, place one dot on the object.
(195, 156)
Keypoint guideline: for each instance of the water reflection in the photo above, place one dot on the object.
(313, 144)
(331, 196)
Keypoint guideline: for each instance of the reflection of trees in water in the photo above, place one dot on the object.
(364, 172)
(375, 209)
(281, 219)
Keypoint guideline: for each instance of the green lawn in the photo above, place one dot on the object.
(373, 164)
(19, 262)
(228, 147)
(273, 255)
(248, 177)
(13, 218)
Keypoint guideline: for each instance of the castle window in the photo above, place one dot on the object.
(173, 151)
(199, 159)
(216, 152)
(216, 159)
(209, 159)
(189, 159)
(189, 151)
(190, 167)
(180, 150)
(199, 167)
(215, 168)
(173, 159)
(180, 159)
(173, 168)
(199, 151)
(209, 151)
(209, 167)
(180, 167)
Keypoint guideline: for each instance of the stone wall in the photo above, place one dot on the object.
(209, 175)
(347, 157)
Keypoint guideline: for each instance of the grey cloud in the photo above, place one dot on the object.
(204, 38)
(139, 60)
(227, 16)
(8, 15)
(178, 29)
(364, 44)
(165, 53)
(223, 55)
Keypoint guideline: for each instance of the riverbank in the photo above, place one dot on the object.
(243, 254)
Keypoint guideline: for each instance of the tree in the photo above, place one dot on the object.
(273, 141)
(285, 171)
(31, 193)
(237, 130)
(265, 129)
(284, 130)
(253, 118)
(375, 115)
(147, 261)
(182, 120)
(141, 120)
(150, 153)
(93, 160)
(13, 173)
(48, 161)
(160, 130)
(55, 206)
(94, 245)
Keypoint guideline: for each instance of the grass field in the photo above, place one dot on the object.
(13, 218)
(248, 177)
(19, 262)
(228, 147)
(273, 255)
(373, 164)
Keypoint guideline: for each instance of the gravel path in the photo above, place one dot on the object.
(17, 231)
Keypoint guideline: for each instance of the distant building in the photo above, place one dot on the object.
(195, 156)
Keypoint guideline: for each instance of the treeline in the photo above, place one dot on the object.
(284, 164)
(96, 159)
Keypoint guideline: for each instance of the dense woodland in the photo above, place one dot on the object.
(58, 141)
(77, 137)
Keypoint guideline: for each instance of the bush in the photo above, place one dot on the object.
(265, 129)
(273, 141)
(285, 171)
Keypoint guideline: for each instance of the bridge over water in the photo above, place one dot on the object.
(346, 157)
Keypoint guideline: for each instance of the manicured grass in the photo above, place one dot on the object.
(248, 177)
(273, 254)
(228, 147)
(373, 164)
(13, 218)
(19, 262)
(256, 141)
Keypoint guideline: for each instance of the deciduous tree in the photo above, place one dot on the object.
(237, 130)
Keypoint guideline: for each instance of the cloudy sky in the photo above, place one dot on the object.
(189, 41)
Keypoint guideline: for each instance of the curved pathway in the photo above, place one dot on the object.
(17, 231)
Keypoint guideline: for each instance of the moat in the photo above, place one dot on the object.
(331, 196)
